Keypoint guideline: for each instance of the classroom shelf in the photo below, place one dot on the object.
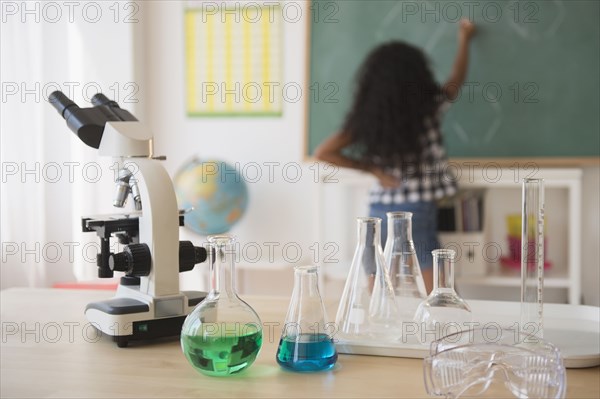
(512, 278)
(566, 273)
(342, 202)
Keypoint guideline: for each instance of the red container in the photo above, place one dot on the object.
(513, 261)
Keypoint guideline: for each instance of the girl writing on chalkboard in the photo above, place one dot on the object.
(393, 127)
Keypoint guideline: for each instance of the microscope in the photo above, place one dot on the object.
(148, 303)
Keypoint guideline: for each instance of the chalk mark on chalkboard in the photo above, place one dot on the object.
(489, 135)
(435, 37)
(389, 18)
(536, 36)
(460, 132)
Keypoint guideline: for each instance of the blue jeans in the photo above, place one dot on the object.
(424, 226)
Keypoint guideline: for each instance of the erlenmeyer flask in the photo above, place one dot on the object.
(401, 257)
(306, 341)
(223, 334)
(402, 264)
(367, 307)
(443, 312)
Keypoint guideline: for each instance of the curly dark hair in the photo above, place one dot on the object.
(395, 103)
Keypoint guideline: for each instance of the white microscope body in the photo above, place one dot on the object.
(148, 303)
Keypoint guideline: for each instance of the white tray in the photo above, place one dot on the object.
(574, 329)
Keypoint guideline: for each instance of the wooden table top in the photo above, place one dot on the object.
(50, 350)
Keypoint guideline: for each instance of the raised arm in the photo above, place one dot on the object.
(459, 70)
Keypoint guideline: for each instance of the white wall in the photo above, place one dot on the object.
(42, 53)
(279, 210)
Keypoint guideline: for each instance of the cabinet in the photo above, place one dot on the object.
(341, 201)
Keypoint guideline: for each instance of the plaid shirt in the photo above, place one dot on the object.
(435, 181)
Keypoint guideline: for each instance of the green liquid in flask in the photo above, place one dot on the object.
(221, 354)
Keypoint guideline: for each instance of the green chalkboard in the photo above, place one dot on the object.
(533, 84)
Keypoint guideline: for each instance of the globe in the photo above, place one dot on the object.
(217, 193)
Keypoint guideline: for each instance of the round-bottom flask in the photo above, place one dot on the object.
(223, 334)
(443, 312)
(306, 343)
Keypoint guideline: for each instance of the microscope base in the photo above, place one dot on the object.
(126, 319)
(151, 329)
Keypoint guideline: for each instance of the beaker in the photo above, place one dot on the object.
(306, 341)
(443, 312)
(223, 334)
(532, 258)
(367, 307)
(402, 264)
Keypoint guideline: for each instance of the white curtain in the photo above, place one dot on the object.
(49, 177)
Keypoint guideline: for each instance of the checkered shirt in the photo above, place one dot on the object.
(435, 182)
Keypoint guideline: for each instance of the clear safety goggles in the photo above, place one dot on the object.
(467, 362)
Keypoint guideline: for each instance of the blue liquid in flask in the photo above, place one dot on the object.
(307, 352)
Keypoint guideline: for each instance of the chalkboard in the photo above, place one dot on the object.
(533, 83)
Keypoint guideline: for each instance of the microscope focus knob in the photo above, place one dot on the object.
(189, 256)
(135, 260)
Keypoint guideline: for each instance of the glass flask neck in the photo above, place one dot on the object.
(369, 231)
(306, 282)
(306, 313)
(443, 270)
(222, 266)
(400, 228)
(400, 224)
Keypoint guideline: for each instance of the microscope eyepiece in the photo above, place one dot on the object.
(88, 123)
(100, 99)
(61, 102)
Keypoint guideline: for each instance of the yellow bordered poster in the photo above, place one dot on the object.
(233, 59)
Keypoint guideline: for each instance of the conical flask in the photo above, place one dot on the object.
(223, 334)
(306, 341)
(367, 308)
(443, 312)
(402, 264)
